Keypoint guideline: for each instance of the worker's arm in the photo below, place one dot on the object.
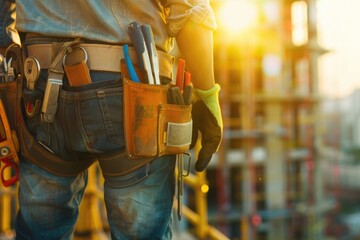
(195, 43)
(192, 23)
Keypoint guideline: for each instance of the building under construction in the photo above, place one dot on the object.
(266, 181)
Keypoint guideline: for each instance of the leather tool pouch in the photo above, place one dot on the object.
(152, 127)
(9, 95)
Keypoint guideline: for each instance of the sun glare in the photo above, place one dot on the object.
(299, 22)
(237, 15)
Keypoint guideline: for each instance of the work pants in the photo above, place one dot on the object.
(89, 123)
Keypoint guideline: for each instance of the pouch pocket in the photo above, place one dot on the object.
(153, 127)
(175, 129)
(92, 117)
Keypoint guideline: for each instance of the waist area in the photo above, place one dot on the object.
(101, 57)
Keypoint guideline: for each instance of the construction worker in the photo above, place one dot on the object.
(88, 125)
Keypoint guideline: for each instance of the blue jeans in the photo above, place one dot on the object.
(138, 204)
(89, 123)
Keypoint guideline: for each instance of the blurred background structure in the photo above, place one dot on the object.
(289, 164)
(267, 182)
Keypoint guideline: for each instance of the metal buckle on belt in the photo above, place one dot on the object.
(76, 68)
(54, 82)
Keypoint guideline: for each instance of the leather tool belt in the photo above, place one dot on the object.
(101, 57)
(107, 58)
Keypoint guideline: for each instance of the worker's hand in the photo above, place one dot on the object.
(206, 115)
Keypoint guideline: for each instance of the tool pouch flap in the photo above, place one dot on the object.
(175, 128)
(153, 127)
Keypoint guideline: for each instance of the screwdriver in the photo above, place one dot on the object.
(137, 39)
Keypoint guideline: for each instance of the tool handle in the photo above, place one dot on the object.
(174, 96)
(187, 78)
(149, 39)
(138, 40)
(180, 74)
(130, 67)
(187, 94)
(150, 45)
(14, 178)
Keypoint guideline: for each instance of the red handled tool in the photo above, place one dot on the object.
(183, 82)
(9, 146)
(9, 163)
(180, 74)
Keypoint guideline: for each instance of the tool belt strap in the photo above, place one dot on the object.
(115, 164)
(118, 164)
(112, 164)
(32, 151)
(101, 57)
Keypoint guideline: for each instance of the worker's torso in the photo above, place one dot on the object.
(98, 20)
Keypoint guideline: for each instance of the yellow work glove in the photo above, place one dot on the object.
(206, 115)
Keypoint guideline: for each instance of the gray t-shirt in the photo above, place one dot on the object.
(108, 20)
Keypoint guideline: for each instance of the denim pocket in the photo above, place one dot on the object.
(92, 117)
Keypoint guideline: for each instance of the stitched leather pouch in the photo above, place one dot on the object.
(153, 127)
(9, 94)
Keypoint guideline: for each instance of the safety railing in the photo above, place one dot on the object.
(92, 223)
(8, 204)
(199, 217)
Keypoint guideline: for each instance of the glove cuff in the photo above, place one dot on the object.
(211, 100)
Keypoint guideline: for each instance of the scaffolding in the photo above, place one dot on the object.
(270, 102)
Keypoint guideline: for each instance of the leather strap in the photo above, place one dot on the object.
(32, 151)
(101, 57)
(118, 164)
(114, 164)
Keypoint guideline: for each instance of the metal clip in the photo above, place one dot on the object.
(2, 68)
(180, 180)
(50, 101)
(75, 66)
